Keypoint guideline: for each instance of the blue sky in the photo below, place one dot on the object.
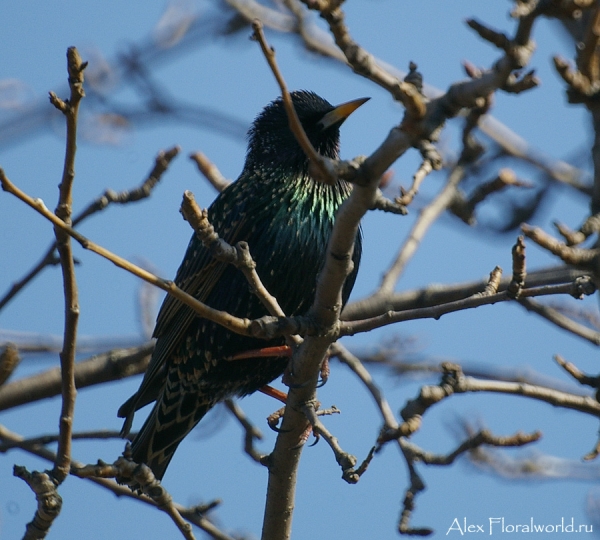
(231, 76)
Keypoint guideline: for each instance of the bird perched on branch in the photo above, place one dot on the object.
(286, 217)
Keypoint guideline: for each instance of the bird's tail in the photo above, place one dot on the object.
(166, 426)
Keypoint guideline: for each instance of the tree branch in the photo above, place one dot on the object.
(105, 367)
(263, 328)
(318, 162)
(142, 191)
(63, 211)
(194, 515)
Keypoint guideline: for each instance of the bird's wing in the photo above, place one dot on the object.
(200, 272)
(197, 276)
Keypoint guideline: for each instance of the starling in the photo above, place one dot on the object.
(286, 217)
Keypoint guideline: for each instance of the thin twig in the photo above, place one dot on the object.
(434, 294)
(43, 440)
(560, 320)
(49, 501)
(238, 255)
(386, 205)
(465, 208)
(48, 259)
(427, 216)
(407, 196)
(129, 472)
(345, 460)
(317, 39)
(519, 272)
(143, 191)
(361, 61)
(454, 382)
(109, 197)
(354, 363)
(482, 437)
(251, 432)
(435, 311)
(63, 243)
(210, 171)
(325, 174)
(577, 374)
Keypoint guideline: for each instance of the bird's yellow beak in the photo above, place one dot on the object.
(341, 112)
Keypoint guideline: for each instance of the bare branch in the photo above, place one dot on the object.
(454, 382)
(465, 209)
(345, 460)
(127, 471)
(144, 190)
(318, 40)
(518, 269)
(266, 327)
(210, 171)
(239, 255)
(363, 62)
(579, 376)
(49, 501)
(44, 440)
(194, 514)
(106, 367)
(252, 433)
(407, 196)
(435, 311)
(560, 320)
(481, 438)
(427, 217)
(386, 205)
(63, 212)
(435, 294)
(584, 258)
(319, 163)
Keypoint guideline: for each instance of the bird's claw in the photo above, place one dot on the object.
(324, 372)
(273, 419)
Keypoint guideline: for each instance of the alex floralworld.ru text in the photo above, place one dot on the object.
(500, 525)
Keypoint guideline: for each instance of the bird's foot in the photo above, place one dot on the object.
(273, 419)
(304, 437)
(279, 352)
(324, 371)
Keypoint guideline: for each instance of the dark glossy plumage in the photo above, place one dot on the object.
(286, 218)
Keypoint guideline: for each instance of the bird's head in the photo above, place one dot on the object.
(272, 145)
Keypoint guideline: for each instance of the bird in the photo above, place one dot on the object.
(286, 217)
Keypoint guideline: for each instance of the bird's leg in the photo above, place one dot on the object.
(281, 351)
(274, 393)
(274, 418)
(266, 352)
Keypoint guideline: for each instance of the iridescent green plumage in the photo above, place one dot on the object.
(286, 218)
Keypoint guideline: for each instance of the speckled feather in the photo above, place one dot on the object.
(287, 219)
